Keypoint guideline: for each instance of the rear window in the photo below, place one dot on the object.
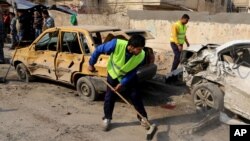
(146, 34)
(136, 33)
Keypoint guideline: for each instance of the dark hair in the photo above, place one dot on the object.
(185, 16)
(12, 14)
(137, 41)
(45, 12)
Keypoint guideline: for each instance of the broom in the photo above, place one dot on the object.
(153, 128)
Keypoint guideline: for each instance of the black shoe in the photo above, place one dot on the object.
(1, 62)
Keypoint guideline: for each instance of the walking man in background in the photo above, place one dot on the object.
(38, 23)
(13, 30)
(125, 57)
(1, 38)
(6, 22)
(178, 38)
(21, 25)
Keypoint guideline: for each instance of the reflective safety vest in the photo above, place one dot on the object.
(181, 33)
(117, 68)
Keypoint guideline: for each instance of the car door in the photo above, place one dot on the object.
(70, 56)
(41, 59)
(89, 45)
(237, 94)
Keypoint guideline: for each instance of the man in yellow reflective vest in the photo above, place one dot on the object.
(125, 57)
(178, 38)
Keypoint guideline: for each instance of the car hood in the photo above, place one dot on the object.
(199, 47)
(194, 48)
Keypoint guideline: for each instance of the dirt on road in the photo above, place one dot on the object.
(48, 111)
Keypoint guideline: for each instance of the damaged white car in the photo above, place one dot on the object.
(219, 77)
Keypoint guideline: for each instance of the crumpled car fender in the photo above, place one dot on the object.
(204, 76)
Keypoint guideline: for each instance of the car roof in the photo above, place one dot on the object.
(196, 48)
(134, 30)
(146, 33)
(228, 44)
(93, 28)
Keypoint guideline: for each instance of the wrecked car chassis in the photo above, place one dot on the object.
(62, 54)
(218, 78)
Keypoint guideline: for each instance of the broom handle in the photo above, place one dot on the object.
(12, 60)
(125, 101)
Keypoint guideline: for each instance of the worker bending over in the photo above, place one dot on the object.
(125, 57)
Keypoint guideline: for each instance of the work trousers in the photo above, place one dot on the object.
(14, 40)
(1, 42)
(37, 32)
(20, 35)
(131, 92)
(177, 55)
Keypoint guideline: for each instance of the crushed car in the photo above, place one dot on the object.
(63, 53)
(219, 77)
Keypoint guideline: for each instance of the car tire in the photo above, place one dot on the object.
(86, 89)
(207, 96)
(23, 73)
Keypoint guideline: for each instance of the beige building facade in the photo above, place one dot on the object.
(122, 6)
(242, 5)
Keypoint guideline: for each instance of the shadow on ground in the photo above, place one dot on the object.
(7, 110)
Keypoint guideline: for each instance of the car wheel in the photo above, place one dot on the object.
(23, 73)
(86, 89)
(207, 96)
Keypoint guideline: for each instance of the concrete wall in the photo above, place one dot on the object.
(202, 28)
(62, 19)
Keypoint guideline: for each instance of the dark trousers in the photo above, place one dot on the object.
(131, 92)
(177, 55)
(14, 40)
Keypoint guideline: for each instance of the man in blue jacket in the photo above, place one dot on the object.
(125, 57)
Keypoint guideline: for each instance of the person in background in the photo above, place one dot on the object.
(48, 21)
(6, 22)
(1, 39)
(20, 25)
(178, 38)
(38, 23)
(13, 30)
